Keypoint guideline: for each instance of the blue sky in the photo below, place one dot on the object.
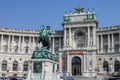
(30, 14)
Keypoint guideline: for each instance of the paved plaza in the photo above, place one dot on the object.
(87, 78)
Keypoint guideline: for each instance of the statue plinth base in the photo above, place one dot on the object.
(42, 66)
(43, 53)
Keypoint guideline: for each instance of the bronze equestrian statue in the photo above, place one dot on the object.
(44, 36)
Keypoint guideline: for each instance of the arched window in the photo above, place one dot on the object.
(116, 66)
(15, 66)
(4, 65)
(105, 66)
(80, 39)
(25, 66)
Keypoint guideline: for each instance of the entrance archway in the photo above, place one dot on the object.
(105, 66)
(76, 66)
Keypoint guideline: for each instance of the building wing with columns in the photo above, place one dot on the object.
(82, 48)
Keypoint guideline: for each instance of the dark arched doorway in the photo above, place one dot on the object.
(116, 66)
(76, 66)
(105, 66)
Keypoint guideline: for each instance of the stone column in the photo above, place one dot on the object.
(84, 65)
(68, 62)
(1, 42)
(64, 36)
(87, 59)
(12, 43)
(29, 44)
(94, 35)
(108, 42)
(101, 43)
(53, 45)
(60, 62)
(69, 36)
(98, 44)
(19, 44)
(88, 36)
(9, 47)
(112, 42)
(23, 43)
(59, 43)
(33, 43)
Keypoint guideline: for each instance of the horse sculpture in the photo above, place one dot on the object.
(44, 36)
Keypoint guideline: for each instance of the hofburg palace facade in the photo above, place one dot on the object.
(81, 48)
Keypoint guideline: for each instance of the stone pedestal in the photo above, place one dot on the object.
(42, 66)
(42, 69)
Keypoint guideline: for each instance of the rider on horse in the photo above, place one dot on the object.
(44, 36)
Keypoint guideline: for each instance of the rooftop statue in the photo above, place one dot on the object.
(44, 36)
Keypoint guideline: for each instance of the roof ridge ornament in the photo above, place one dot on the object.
(79, 9)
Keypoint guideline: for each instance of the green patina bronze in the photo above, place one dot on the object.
(45, 39)
(90, 16)
(66, 18)
(44, 36)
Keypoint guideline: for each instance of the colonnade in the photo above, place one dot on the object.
(110, 43)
